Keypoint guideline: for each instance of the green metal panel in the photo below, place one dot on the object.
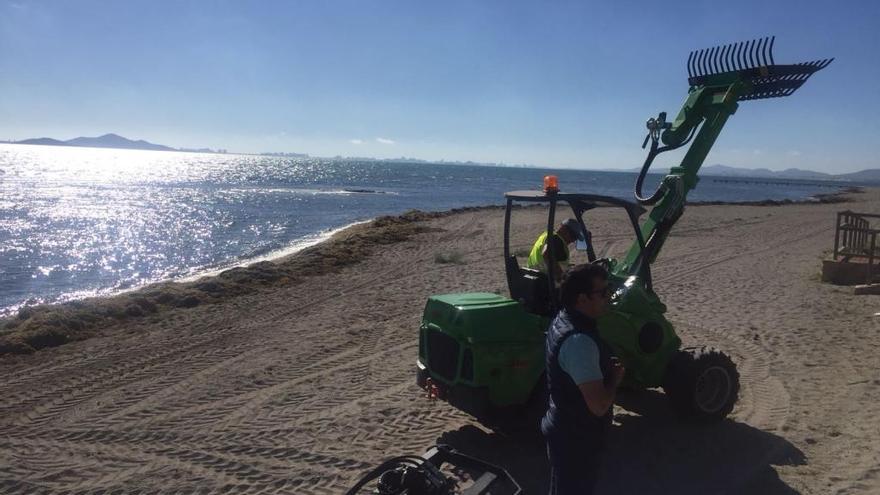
(507, 343)
(632, 308)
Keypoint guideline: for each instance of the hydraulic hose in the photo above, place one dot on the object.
(652, 153)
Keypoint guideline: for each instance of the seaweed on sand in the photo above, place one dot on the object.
(37, 327)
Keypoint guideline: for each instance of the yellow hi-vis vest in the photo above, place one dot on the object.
(536, 261)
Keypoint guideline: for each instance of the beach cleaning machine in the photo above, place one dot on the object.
(484, 353)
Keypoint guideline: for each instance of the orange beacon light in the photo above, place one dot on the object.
(551, 184)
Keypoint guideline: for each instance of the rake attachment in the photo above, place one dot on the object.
(750, 61)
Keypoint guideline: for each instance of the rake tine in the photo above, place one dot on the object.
(710, 61)
(753, 54)
(759, 55)
(710, 57)
(739, 50)
(758, 61)
(764, 51)
(690, 57)
(730, 60)
(714, 59)
(707, 67)
(747, 50)
(690, 64)
(772, 40)
(758, 52)
(734, 60)
(747, 54)
(703, 62)
(707, 60)
(724, 63)
(731, 56)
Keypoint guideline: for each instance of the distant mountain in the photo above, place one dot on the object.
(107, 141)
(790, 173)
(116, 141)
(43, 141)
(869, 175)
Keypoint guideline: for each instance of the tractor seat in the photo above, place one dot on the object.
(528, 287)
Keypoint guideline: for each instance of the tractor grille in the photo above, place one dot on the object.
(442, 354)
(467, 365)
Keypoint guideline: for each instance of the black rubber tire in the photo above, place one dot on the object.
(702, 384)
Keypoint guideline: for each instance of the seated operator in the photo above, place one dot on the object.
(568, 232)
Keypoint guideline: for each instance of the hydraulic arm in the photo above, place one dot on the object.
(719, 78)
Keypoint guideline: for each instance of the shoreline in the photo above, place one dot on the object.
(49, 325)
(275, 254)
(823, 198)
(292, 248)
(32, 328)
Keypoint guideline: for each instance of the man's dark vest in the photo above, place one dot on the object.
(568, 413)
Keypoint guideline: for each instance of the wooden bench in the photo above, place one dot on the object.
(854, 238)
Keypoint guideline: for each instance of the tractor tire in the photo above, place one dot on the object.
(702, 384)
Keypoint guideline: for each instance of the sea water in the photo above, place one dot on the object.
(78, 222)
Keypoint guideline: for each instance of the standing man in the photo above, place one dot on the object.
(568, 232)
(582, 377)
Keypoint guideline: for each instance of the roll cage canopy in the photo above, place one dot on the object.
(535, 288)
(581, 202)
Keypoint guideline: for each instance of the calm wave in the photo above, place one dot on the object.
(76, 222)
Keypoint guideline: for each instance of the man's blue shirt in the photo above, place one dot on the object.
(579, 357)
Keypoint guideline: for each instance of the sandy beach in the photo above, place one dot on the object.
(297, 376)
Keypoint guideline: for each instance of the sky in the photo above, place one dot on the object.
(548, 83)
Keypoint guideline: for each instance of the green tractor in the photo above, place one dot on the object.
(484, 353)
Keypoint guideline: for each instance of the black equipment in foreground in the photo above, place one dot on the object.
(414, 475)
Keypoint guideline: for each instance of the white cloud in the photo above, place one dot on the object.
(384, 140)
(757, 152)
(356, 141)
(794, 153)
